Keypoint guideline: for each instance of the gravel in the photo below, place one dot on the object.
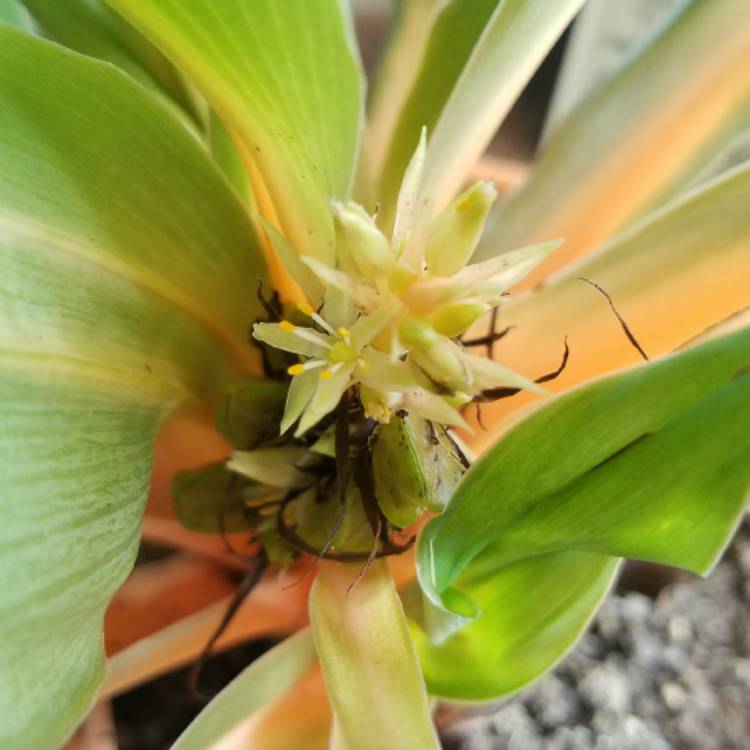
(671, 673)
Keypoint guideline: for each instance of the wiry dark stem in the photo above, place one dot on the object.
(495, 394)
(246, 586)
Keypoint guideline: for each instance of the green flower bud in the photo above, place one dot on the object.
(458, 399)
(456, 319)
(417, 333)
(361, 247)
(442, 363)
(457, 230)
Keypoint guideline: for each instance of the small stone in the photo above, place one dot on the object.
(680, 630)
(514, 721)
(606, 688)
(636, 609)
(742, 671)
(576, 738)
(743, 557)
(673, 695)
(637, 735)
(553, 703)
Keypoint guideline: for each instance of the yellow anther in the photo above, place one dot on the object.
(326, 374)
(288, 327)
(297, 369)
(343, 332)
(305, 309)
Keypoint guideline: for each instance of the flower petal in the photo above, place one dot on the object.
(406, 207)
(369, 326)
(485, 281)
(326, 398)
(277, 335)
(300, 392)
(433, 407)
(361, 294)
(385, 374)
(490, 374)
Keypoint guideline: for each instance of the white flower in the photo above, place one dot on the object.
(394, 310)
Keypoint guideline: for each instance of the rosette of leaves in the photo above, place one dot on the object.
(146, 147)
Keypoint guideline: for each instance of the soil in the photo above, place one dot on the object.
(651, 674)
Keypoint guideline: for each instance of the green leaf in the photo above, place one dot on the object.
(513, 44)
(726, 148)
(369, 665)
(451, 30)
(127, 279)
(14, 13)
(692, 256)
(262, 682)
(116, 226)
(228, 158)
(531, 613)
(631, 136)
(397, 70)
(605, 33)
(90, 27)
(284, 78)
(652, 463)
(76, 451)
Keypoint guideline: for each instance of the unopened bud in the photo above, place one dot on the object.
(442, 363)
(361, 247)
(454, 320)
(457, 399)
(457, 230)
(416, 333)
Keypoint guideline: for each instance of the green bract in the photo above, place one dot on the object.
(200, 219)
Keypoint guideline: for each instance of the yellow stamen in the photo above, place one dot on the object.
(287, 327)
(326, 374)
(297, 369)
(343, 332)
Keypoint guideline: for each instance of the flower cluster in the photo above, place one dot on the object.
(395, 310)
